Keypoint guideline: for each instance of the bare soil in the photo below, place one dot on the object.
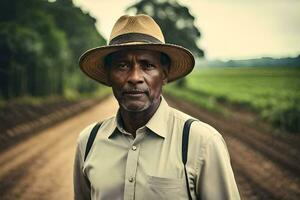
(20, 121)
(41, 166)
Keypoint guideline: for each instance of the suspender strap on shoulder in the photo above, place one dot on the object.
(91, 139)
(185, 144)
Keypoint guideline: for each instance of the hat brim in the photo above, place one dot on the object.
(92, 61)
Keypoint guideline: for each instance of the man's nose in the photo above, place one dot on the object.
(135, 75)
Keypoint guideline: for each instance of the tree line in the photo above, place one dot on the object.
(40, 44)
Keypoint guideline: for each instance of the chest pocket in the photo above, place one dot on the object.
(165, 188)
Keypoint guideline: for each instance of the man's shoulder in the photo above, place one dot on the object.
(179, 115)
(85, 133)
(199, 130)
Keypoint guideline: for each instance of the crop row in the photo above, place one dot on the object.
(271, 92)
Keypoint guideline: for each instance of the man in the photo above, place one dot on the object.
(138, 153)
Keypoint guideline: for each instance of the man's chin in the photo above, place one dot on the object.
(135, 107)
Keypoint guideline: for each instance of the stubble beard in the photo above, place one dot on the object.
(148, 104)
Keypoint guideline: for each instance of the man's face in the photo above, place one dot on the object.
(136, 78)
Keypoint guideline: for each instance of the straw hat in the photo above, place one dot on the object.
(138, 32)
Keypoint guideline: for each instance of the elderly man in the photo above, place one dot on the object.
(148, 150)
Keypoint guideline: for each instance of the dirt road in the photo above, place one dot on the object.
(40, 168)
(266, 166)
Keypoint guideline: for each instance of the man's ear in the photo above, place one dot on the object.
(165, 75)
(165, 81)
(107, 71)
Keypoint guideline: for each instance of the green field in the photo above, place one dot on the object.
(272, 92)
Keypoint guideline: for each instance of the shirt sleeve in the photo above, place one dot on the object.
(216, 179)
(81, 184)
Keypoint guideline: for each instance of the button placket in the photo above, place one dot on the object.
(130, 174)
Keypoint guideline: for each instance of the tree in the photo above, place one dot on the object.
(40, 46)
(32, 53)
(82, 35)
(78, 26)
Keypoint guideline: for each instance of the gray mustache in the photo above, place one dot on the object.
(135, 90)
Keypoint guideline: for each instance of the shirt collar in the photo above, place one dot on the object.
(157, 123)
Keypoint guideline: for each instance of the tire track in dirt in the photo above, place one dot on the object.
(263, 173)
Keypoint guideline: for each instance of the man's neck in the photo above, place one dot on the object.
(134, 120)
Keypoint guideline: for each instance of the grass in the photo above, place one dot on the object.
(271, 92)
(75, 95)
(69, 95)
(203, 101)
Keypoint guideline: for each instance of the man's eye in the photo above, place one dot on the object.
(150, 66)
(121, 65)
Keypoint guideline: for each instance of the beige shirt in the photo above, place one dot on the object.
(150, 166)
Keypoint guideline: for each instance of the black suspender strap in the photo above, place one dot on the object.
(91, 139)
(185, 144)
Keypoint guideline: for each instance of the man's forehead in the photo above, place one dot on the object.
(141, 53)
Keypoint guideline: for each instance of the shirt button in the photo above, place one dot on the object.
(130, 179)
(133, 148)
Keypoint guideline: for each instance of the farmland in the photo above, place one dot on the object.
(272, 93)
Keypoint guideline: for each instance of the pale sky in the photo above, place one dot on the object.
(231, 29)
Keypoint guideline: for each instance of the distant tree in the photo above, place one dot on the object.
(40, 44)
(78, 26)
(176, 23)
(82, 35)
(32, 53)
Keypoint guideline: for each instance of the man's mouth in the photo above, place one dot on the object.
(134, 93)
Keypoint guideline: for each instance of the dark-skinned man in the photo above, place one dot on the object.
(148, 150)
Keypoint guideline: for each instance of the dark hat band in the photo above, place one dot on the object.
(134, 37)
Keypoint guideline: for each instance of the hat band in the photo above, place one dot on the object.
(134, 37)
